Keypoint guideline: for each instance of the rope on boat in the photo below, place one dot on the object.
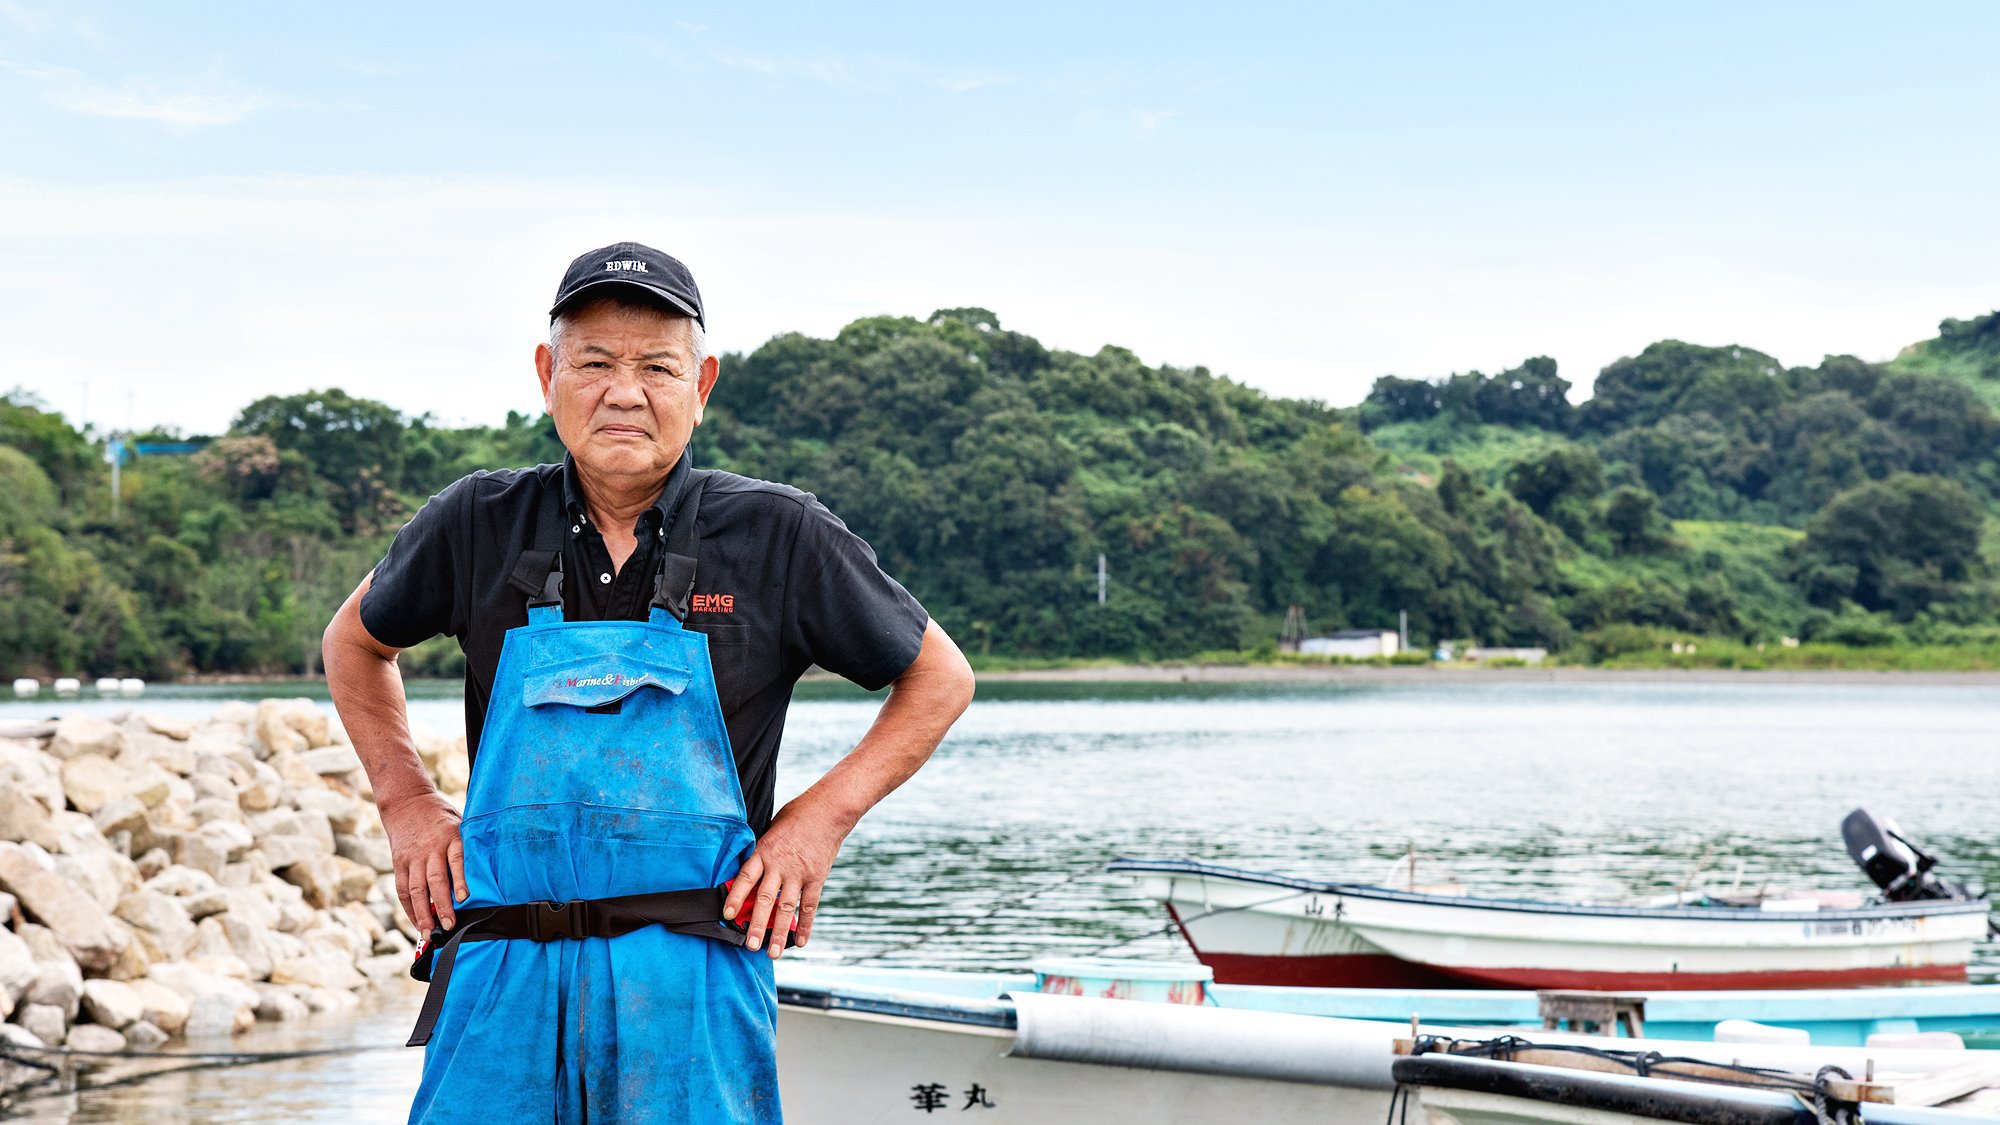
(1825, 1107)
(1815, 1092)
(1174, 927)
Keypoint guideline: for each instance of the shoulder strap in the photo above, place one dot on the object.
(673, 587)
(537, 574)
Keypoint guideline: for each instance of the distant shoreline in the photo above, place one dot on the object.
(1350, 673)
(1431, 674)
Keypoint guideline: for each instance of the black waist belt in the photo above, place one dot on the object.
(696, 912)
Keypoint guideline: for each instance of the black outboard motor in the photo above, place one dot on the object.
(1899, 867)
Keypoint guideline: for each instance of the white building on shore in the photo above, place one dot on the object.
(1355, 644)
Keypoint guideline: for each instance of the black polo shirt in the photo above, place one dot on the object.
(780, 585)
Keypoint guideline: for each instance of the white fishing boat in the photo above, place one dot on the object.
(859, 1049)
(1256, 927)
(858, 1045)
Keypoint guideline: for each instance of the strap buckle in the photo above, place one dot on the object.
(549, 920)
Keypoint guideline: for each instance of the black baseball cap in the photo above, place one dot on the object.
(655, 276)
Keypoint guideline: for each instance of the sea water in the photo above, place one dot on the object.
(994, 853)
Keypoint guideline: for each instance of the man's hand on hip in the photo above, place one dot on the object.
(786, 873)
(794, 855)
(429, 859)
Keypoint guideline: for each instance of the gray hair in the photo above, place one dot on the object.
(697, 338)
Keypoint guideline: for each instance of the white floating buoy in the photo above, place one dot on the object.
(68, 685)
(27, 688)
(130, 686)
(107, 685)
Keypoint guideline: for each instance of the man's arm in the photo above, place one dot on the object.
(793, 857)
(422, 826)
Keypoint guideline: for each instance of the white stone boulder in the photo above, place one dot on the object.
(332, 760)
(85, 734)
(273, 733)
(58, 903)
(383, 968)
(15, 1034)
(201, 852)
(231, 835)
(196, 981)
(112, 1003)
(163, 1007)
(134, 960)
(153, 786)
(105, 874)
(91, 1038)
(162, 917)
(320, 970)
(92, 781)
(24, 817)
(278, 1002)
(126, 815)
(182, 881)
(43, 942)
(180, 730)
(262, 790)
(146, 748)
(44, 1021)
(332, 999)
(245, 941)
(215, 1016)
(59, 984)
(24, 766)
(17, 970)
(369, 851)
(282, 852)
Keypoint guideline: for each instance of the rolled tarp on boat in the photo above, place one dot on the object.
(1204, 1040)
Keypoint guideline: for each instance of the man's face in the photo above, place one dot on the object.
(625, 392)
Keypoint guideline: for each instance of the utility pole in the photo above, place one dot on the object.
(1402, 630)
(1103, 579)
(1294, 630)
(114, 452)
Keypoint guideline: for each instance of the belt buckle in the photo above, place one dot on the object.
(550, 920)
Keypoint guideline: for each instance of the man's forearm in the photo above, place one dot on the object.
(923, 703)
(367, 690)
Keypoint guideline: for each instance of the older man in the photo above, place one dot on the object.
(632, 629)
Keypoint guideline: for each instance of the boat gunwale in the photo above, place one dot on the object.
(837, 999)
(1920, 908)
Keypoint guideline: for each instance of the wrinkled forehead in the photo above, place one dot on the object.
(623, 324)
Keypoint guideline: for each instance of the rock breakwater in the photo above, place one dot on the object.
(161, 877)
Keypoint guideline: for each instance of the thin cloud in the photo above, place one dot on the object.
(1149, 121)
(964, 82)
(827, 71)
(874, 74)
(138, 101)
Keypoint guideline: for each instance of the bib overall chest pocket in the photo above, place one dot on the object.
(599, 686)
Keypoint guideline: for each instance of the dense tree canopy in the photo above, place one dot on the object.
(1706, 490)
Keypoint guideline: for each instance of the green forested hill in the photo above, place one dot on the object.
(1700, 492)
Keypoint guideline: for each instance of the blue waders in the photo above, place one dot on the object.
(604, 772)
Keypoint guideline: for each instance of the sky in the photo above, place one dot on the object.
(201, 204)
